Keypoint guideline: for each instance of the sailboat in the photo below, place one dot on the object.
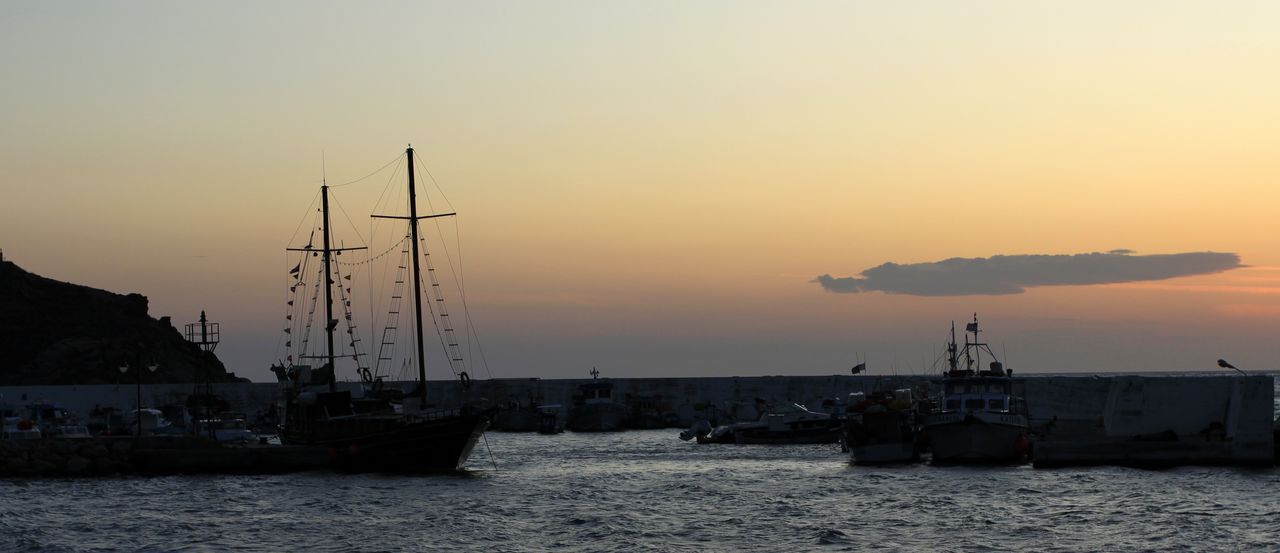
(383, 430)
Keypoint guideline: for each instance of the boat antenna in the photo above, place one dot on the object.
(952, 359)
(976, 359)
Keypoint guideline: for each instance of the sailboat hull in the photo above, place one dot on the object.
(398, 443)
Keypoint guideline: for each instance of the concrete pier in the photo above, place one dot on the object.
(1153, 421)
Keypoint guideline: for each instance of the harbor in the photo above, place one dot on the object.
(1132, 420)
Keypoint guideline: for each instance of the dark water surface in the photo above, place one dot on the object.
(648, 491)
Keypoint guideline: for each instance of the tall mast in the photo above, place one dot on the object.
(327, 251)
(329, 323)
(417, 278)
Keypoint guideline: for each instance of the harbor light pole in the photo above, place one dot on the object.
(137, 411)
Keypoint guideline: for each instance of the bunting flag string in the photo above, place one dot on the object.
(394, 247)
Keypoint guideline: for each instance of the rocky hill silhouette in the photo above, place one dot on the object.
(57, 333)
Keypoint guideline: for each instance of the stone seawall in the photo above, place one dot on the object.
(1128, 403)
(62, 457)
(66, 457)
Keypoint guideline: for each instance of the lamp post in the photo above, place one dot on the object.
(137, 412)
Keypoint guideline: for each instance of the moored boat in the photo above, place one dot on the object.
(791, 424)
(978, 417)
(384, 430)
(549, 419)
(883, 428)
(595, 410)
(517, 416)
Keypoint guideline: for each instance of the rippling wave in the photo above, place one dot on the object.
(648, 491)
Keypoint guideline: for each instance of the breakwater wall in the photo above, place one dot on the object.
(1123, 419)
(1119, 405)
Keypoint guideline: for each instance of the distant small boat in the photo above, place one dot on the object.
(230, 430)
(517, 417)
(72, 432)
(154, 423)
(549, 419)
(978, 418)
(882, 428)
(704, 433)
(791, 424)
(595, 409)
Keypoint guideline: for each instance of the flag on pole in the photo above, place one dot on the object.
(971, 327)
(860, 367)
(296, 268)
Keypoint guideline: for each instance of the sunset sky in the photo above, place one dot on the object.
(655, 188)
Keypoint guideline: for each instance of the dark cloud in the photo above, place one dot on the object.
(1013, 274)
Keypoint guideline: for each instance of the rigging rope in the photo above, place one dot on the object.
(457, 273)
(374, 258)
(379, 170)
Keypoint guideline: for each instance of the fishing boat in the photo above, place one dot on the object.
(978, 417)
(517, 416)
(882, 428)
(594, 408)
(382, 429)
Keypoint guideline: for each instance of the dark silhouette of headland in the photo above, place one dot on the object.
(58, 333)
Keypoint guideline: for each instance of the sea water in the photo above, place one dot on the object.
(649, 491)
